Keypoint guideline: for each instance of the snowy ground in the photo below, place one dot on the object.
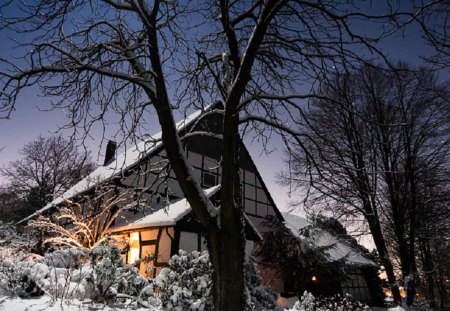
(45, 303)
(75, 276)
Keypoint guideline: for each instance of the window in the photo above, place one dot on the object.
(134, 251)
(355, 285)
(209, 180)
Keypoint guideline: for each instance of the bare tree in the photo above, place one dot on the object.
(433, 20)
(85, 222)
(121, 56)
(374, 141)
(48, 167)
(433, 230)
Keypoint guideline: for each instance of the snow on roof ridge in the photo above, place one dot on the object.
(167, 216)
(339, 250)
(129, 157)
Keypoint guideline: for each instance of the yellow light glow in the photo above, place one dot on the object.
(313, 278)
(134, 247)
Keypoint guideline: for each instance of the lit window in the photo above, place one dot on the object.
(134, 247)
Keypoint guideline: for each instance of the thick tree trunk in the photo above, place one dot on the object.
(380, 244)
(227, 242)
(227, 256)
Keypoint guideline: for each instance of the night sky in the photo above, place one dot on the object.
(28, 122)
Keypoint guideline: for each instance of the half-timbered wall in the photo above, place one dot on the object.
(152, 176)
(203, 153)
(150, 249)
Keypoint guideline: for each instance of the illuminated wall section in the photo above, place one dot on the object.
(134, 252)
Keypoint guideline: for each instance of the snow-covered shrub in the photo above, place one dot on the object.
(109, 276)
(309, 303)
(262, 297)
(19, 278)
(187, 284)
(99, 281)
(31, 276)
(337, 303)
(129, 282)
(72, 257)
(13, 243)
(306, 303)
(421, 305)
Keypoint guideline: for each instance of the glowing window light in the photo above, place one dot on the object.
(134, 247)
(314, 278)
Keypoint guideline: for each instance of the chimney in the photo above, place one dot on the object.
(110, 152)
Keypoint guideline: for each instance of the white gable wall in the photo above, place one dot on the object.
(206, 171)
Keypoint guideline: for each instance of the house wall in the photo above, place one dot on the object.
(150, 249)
(204, 157)
(189, 241)
(152, 176)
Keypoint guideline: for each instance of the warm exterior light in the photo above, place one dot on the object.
(134, 247)
(314, 278)
(388, 293)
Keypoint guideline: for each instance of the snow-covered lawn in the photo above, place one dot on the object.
(45, 303)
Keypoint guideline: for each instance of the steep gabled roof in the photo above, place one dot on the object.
(127, 160)
(119, 165)
(339, 250)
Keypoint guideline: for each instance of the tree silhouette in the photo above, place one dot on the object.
(135, 58)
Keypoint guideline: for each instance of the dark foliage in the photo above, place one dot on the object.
(293, 259)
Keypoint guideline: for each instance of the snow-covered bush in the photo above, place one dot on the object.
(262, 297)
(15, 263)
(105, 262)
(187, 284)
(19, 278)
(421, 305)
(306, 303)
(32, 275)
(309, 303)
(72, 257)
(14, 243)
(108, 276)
(129, 282)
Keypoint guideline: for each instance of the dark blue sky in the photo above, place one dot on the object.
(28, 122)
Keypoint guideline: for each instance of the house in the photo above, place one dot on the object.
(166, 223)
(352, 273)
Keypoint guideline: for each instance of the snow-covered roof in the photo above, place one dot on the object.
(167, 216)
(121, 163)
(173, 213)
(339, 250)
